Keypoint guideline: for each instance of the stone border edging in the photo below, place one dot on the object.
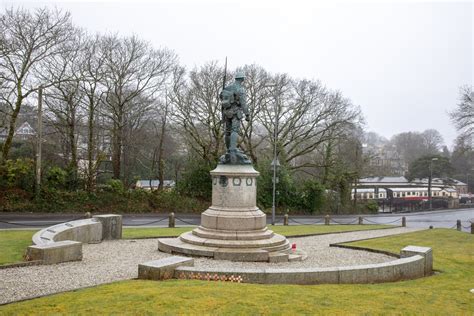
(397, 270)
(21, 264)
(414, 262)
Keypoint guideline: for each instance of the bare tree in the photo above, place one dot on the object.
(92, 86)
(413, 145)
(63, 98)
(134, 69)
(196, 109)
(463, 115)
(307, 116)
(259, 96)
(27, 41)
(433, 141)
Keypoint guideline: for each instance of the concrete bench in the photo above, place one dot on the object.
(162, 269)
(61, 251)
(84, 230)
(63, 242)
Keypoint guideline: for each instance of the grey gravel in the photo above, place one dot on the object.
(118, 260)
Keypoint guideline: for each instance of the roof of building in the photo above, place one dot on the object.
(449, 181)
(383, 180)
(154, 183)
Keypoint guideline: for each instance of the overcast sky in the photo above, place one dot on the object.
(403, 63)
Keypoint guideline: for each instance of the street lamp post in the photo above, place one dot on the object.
(275, 163)
(430, 197)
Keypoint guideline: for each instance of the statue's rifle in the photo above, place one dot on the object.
(225, 74)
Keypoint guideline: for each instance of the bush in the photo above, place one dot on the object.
(196, 181)
(56, 178)
(313, 197)
(18, 173)
(115, 186)
(286, 194)
(372, 207)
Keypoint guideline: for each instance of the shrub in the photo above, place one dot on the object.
(56, 178)
(313, 197)
(196, 181)
(372, 207)
(115, 186)
(18, 173)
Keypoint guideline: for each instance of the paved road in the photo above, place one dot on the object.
(440, 218)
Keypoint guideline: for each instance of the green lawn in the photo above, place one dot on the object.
(446, 293)
(13, 243)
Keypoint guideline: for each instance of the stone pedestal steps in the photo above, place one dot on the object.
(270, 254)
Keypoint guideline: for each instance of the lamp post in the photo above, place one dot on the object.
(275, 163)
(39, 137)
(429, 183)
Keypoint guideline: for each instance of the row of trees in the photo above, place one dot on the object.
(423, 147)
(98, 89)
(117, 104)
(119, 107)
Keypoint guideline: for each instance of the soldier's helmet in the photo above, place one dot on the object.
(239, 75)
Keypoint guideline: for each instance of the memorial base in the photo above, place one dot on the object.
(233, 228)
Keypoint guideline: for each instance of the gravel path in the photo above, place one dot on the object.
(118, 260)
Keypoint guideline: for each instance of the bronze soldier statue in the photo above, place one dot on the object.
(234, 107)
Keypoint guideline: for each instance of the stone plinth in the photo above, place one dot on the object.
(425, 252)
(61, 251)
(233, 228)
(111, 226)
(162, 269)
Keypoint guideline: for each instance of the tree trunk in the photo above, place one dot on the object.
(11, 129)
(327, 162)
(90, 149)
(116, 151)
(161, 161)
(72, 141)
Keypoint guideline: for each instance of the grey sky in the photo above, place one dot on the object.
(403, 63)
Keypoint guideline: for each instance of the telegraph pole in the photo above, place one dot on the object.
(39, 137)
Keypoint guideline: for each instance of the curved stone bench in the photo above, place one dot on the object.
(416, 262)
(63, 242)
(83, 230)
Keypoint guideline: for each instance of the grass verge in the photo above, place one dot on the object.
(13, 244)
(446, 293)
